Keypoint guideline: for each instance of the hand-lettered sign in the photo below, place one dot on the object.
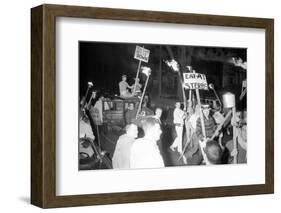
(195, 81)
(141, 54)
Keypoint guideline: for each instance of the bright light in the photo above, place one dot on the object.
(146, 70)
(173, 64)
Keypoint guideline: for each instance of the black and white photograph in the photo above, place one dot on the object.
(147, 106)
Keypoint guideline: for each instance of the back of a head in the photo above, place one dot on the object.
(213, 152)
(158, 109)
(148, 123)
(178, 104)
(132, 130)
(130, 126)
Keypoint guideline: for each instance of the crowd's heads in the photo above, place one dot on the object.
(206, 109)
(178, 105)
(146, 101)
(132, 130)
(158, 112)
(131, 106)
(124, 77)
(151, 128)
(213, 152)
(215, 105)
(205, 106)
(241, 117)
(144, 104)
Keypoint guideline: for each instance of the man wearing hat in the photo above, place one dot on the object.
(123, 88)
(122, 152)
(209, 123)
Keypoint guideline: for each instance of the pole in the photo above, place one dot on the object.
(138, 71)
(142, 96)
(190, 91)
(189, 98)
(183, 95)
(84, 99)
(98, 135)
(243, 94)
(213, 88)
(160, 71)
(89, 102)
(200, 111)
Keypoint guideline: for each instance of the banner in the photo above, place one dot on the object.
(195, 81)
(141, 54)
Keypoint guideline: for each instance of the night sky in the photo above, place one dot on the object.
(104, 63)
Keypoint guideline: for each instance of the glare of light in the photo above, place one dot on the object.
(146, 70)
(238, 62)
(173, 64)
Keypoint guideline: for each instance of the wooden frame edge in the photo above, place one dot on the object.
(269, 105)
(43, 105)
(36, 106)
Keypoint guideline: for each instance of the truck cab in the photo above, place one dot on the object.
(114, 110)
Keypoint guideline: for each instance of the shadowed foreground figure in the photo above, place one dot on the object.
(145, 152)
(213, 153)
(121, 156)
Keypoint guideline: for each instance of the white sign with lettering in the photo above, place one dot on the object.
(141, 54)
(195, 81)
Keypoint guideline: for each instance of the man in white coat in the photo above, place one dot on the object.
(179, 116)
(145, 152)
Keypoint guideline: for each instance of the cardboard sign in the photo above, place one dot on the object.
(195, 81)
(141, 54)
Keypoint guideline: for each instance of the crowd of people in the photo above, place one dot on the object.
(133, 152)
(215, 147)
(199, 129)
